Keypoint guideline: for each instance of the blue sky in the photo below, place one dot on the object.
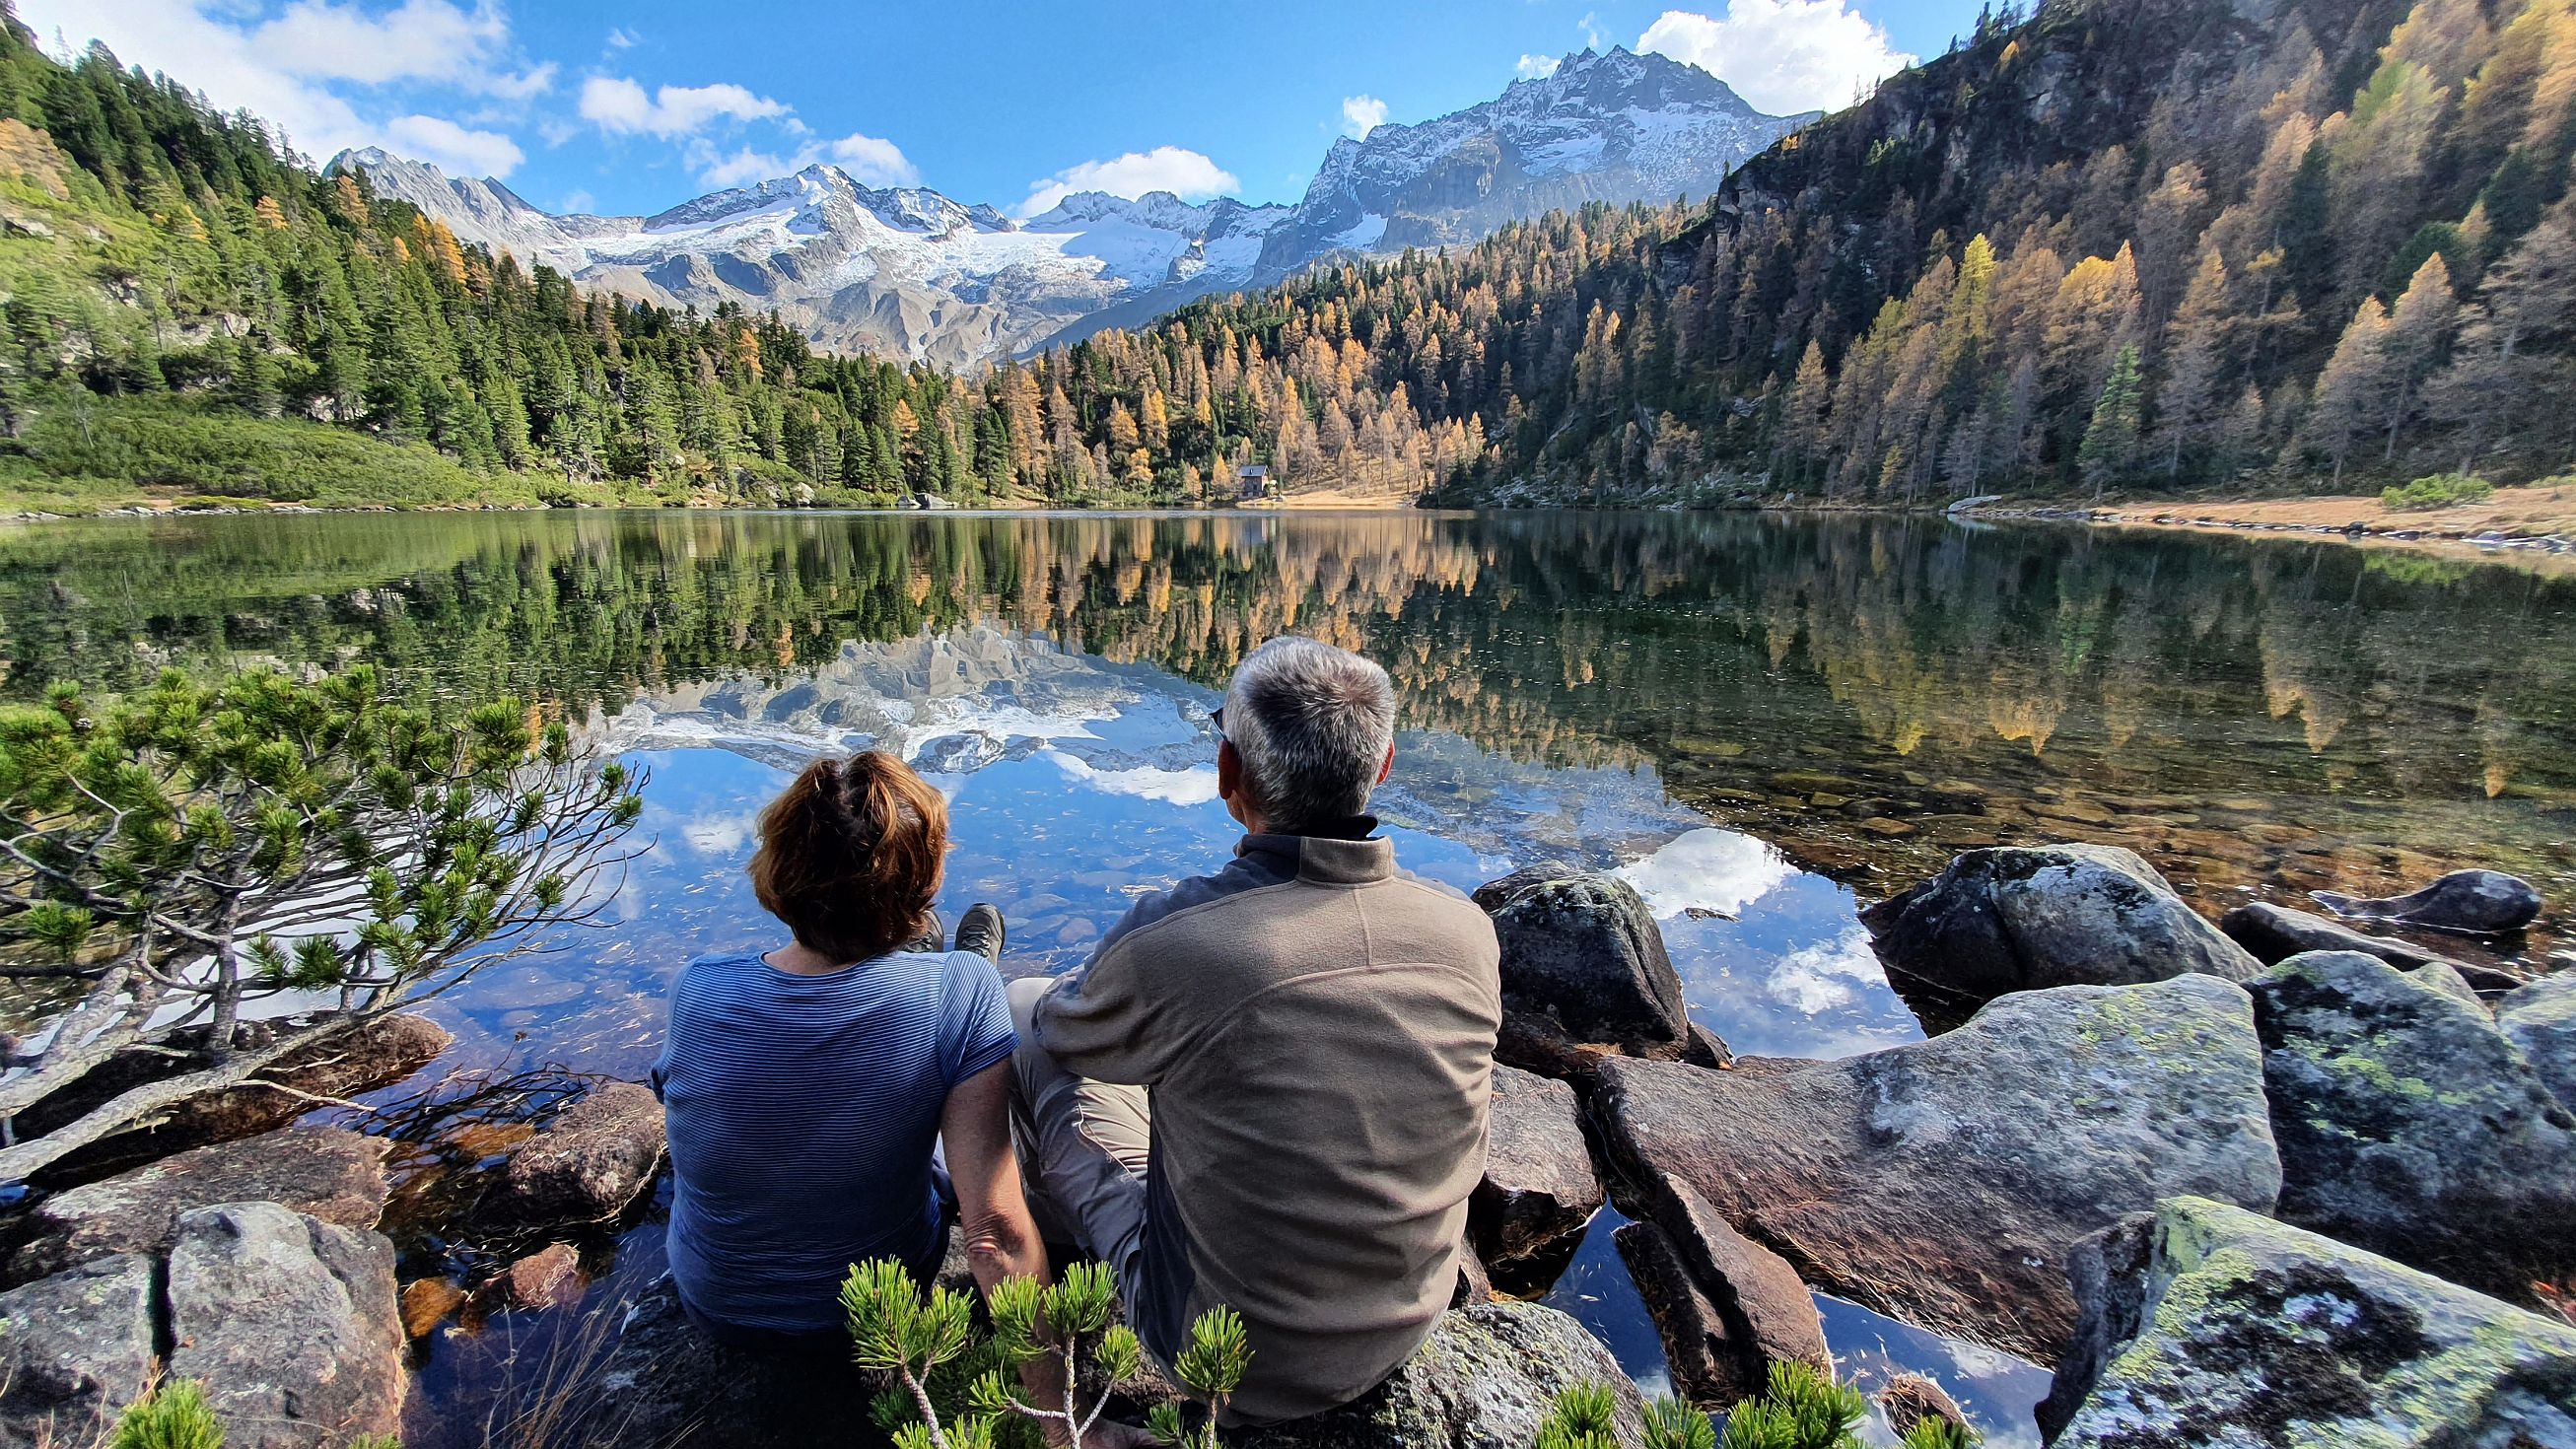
(633, 107)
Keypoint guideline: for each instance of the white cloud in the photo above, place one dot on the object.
(284, 69)
(578, 202)
(1186, 174)
(1720, 871)
(873, 162)
(621, 38)
(1781, 55)
(452, 147)
(619, 106)
(1361, 115)
(717, 171)
(1536, 67)
(1818, 978)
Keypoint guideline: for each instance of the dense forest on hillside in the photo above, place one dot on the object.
(2134, 245)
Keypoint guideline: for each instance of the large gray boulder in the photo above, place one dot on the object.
(1584, 973)
(2013, 918)
(587, 1165)
(2540, 1020)
(291, 1324)
(1944, 1181)
(2206, 1324)
(2472, 902)
(74, 1349)
(323, 1172)
(2410, 1125)
(1539, 1186)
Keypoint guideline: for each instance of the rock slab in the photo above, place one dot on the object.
(2540, 1020)
(2472, 902)
(1584, 973)
(290, 1322)
(1539, 1185)
(74, 1349)
(1944, 1182)
(587, 1165)
(2276, 933)
(2206, 1324)
(323, 1172)
(1483, 1380)
(2408, 1124)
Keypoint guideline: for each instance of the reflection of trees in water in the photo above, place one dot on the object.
(1603, 639)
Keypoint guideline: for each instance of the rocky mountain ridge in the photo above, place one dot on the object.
(909, 272)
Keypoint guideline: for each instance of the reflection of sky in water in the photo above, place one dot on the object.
(1077, 787)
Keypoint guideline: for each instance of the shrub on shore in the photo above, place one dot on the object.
(2436, 490)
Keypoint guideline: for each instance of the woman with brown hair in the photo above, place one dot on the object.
(807, 1088)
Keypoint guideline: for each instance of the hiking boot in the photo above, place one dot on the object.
(933, 938)
(979, 931)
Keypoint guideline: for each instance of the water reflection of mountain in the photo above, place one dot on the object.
(2059, 673)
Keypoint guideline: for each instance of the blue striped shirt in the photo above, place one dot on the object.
(803, 1111)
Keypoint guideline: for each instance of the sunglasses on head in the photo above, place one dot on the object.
(1216, 717)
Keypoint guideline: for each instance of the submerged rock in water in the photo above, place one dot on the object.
(2408, 1124)
(1539, 1185)
(2206, 1324)
(2473, 902)
(2540, 1020)
(2012, 918)
(1944, 1181)
(290, 1322)
(587, 1165)
(74, 1349)
(324, 1172)
(1584, 972)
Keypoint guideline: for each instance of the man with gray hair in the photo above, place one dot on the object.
(1267, 1089)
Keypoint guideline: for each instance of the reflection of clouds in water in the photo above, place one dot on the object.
(1720, 871)
(1824, 976)
(724, 834)
(1996, 1390)
(1172, 787)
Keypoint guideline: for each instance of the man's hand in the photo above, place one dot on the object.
(1110, 1434)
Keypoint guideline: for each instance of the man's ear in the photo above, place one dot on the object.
(1229, 770)
(1386, 766)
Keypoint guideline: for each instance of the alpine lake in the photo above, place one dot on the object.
(1763, 721)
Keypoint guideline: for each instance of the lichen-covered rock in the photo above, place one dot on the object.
(2410, 1125)
(2472, 902)
(1483, 1380)
(2012, 918)
(2540, 1019)
(1944, 1181)
(2206, 1324)
(290, 1322)
(587, 1165)
(1584, 973)
(74, 1349)
(1539, 1185)
(324, 1172)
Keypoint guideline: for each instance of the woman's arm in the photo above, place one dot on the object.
(1001, 1238)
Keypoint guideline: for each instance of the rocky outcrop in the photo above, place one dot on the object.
(2540, 1020)
(587, 1165)
(2276, 933)
(545, 1278)
(1539, 1186)
(1585, 975)
(1944, 1181)
(1484, 1378)
(2012, 918)
(2408, 1124)
(374, 1053)
(291, 1324)
(1726, 1307)
(323, 1172)
(74, 1349)
(2253, 1333)
(2472, 902)
(1910, 1399)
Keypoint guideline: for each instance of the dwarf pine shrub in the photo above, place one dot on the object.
(173, 1415)
(2436, 490)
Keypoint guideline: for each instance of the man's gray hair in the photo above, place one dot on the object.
(1312, 724)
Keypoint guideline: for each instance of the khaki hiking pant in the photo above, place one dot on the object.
(1082, 1146)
